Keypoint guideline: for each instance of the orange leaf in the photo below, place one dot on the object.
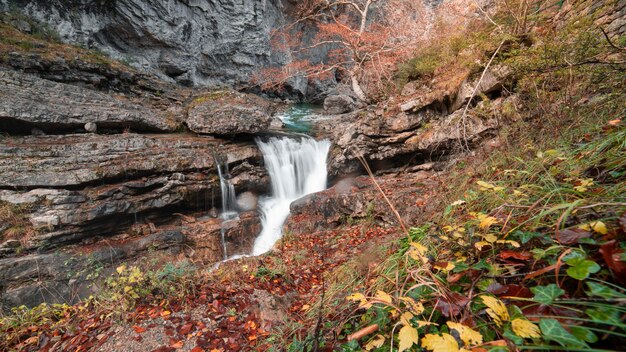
(165, 313)
(139, 329)
(178, 344)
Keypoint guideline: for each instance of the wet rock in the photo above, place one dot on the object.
(229, 113)
(79, 186)
(30, 101)
(205, 236)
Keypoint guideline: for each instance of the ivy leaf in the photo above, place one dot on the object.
(604, 315)
(467, 334)
(581, 268)
(583, 333)
(496, 309)
(546, 294)
(524, 328)
(599, 290)
(511, 336)
(553, 331)
(407, 337)
(436, 343)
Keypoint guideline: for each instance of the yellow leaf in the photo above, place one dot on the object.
(481, 244)
(487, 221)
(491, 238)
(599, 227)
(496, 309)
(376, 342)
(421, 323)
(127, 289)
(443, 343)
(448, 266)
(512, 243)
(418, 252)
(524, 328)
(383, 296)
(407, 337)
(406, 317)
(359, 297)
(468, 335)
(120, 269)
(485, 185)
(415, 307)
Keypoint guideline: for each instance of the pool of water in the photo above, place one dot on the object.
(301, 117)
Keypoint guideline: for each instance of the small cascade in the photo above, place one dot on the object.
(297, 167)
(229, 198)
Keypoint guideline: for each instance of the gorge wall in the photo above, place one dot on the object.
(191, 42)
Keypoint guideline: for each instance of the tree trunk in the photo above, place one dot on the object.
(356, 87)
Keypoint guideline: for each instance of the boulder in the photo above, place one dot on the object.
(339, 104)
(29, 101)
(229, 113)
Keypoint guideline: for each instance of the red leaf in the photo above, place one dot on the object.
(186, 329)
(139, 329)
(197, 349)
(611, 254)
(451, 304)
(571, 235)
(506, 254)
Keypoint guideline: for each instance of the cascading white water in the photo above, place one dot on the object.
(229, 198)
(297, 167)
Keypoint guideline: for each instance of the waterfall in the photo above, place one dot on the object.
(296, 167)
(229, 198)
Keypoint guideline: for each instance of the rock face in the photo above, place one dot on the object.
(29, 101)
(229, 113)
(86, 185)
(422, 128)
(190, 42)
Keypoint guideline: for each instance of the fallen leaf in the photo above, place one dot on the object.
(139, 329)
(468, 335)
(495, 309)
(437, 343)
(524, 328)
(611, 254)
(178, 344)
(507, 254)
(383, 297)
(376, 342)
(571, 235)
(165, 313)
(407, 337)
(415, 307)
(451, 304)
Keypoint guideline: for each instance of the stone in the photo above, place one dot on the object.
(91, 127)
(229, 113)
(247, 201)
(338, 104)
